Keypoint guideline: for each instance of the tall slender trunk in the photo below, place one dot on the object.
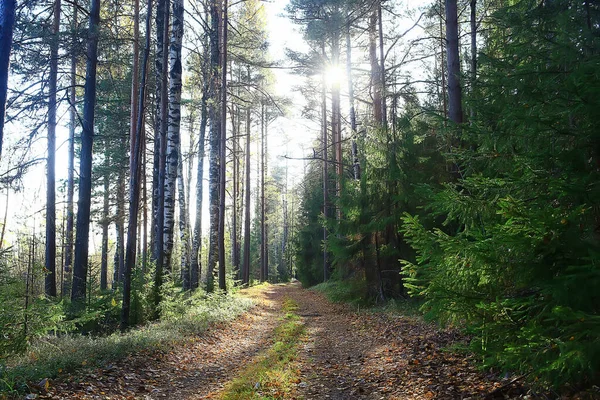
(7, 21)
(119, 259)
(382, 66)
(134, 181)
(443, 62)
(184, 232)
(80, 267)
(336, 124)
(105, 221)
(135, 72)
(454, 89)
(50, 259)
(473, 71)
(71, 155)
(214, 116)
(160, 217)
(263, 217)
(223, 148)
(355, 161)
(197, 243)
(375, 69)
(5, 219)
(174, 128)
(145, 182)
(235, 189)
(160, 66)
(246, 268)
(325, 170)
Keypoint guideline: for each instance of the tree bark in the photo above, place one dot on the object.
(355, 161)
(71, 155)
(80, 269)
(375, 69)
(454, 89)
(443, 63)
(105, 221)
(7, 21)
(382, 67)
(160, 217)
(214, 116)
(160, 66)
(246, 268)
(263, 218)
(134, 180)
(50, 259)
(174, 128)
(119, 259)
(325, 140)
(336, 124)
(197, 243)
(223, 148)
(473, 71)
(184, 232)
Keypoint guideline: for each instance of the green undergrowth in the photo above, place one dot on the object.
(350, 291)
(52, 355)
(353, 292)
(274, 374)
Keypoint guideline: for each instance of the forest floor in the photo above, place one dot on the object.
(342, 354)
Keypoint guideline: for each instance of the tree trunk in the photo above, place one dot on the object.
(184, 232)
(382, 67)
(7, 21)
(134, 181)
(375, 69)
(105, 221)
(235, 189)
(355, 161)
(80, 267)
(174, 125)
(214, 116)
(162, 134)
(50, 259)
(263, 217)
(197, 243)
(71, 155)
(223, 148)
(336, 124)
(473, 72)
(119, 259)
(160, 67)
(454, 90)
(325, 170)
(246, 268)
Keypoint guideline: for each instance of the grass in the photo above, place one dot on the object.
(353, 292)
(350, 291)
(51, 356)
(275, 374)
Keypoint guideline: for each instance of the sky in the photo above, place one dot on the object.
(291, 137)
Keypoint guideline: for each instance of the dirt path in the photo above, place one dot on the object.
(196, 370)
(345, 356)
(351, 355)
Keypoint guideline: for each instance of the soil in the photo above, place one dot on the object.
(345, 355)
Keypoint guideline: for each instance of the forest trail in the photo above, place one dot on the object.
(343, 355)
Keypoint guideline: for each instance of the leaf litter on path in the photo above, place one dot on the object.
(346, 356)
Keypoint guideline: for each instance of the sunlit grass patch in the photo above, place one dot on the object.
(274, 374)
(54, 355)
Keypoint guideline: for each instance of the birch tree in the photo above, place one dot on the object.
(174, 127)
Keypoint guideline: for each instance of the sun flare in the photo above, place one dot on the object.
(334, 75)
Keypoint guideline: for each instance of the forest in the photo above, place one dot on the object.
(173, 169)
